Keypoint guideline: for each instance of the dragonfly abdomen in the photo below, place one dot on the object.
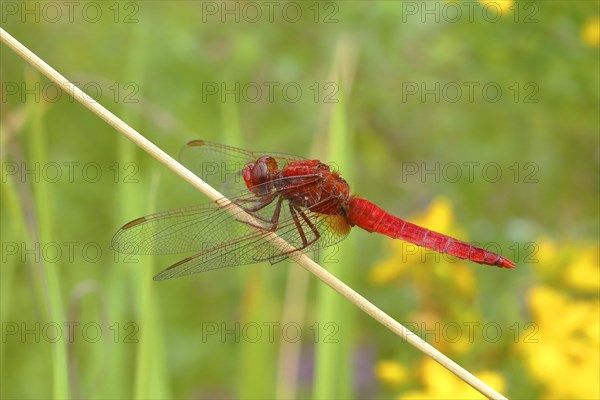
(370, 217)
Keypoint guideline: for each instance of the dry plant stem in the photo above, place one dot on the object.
(207, 190)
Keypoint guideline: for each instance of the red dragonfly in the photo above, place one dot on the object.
(302, 201)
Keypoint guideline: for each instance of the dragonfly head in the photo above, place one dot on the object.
(259, 175)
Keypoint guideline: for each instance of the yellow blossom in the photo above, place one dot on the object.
(584, 273)
(390, 372)
(465, 281)
(386, 271)
(590, 34)
(503, 5)
(439, 215)
(564, 343)
(574, 265)
(439, 383)
(547, 249)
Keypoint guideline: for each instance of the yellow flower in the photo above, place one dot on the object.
(503, 5)
(386, 271)
(590, 34)
(574, 265)
(561, 351)
(464, 280)
(584, 273)
(547, 249)
(390, 372)
(439, 215)
(439, 383)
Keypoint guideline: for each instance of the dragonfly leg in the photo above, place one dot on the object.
(262, 203)
(305, 243)
(272, 223)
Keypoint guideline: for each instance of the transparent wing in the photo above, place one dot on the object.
(220, 238)
(256, 248)
(221, 166)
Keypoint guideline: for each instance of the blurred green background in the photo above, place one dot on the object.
(479, 120)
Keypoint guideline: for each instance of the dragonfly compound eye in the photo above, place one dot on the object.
(264, 170)
(258, 176)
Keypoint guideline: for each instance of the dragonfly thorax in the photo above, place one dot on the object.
(305, 183)
(312, 184)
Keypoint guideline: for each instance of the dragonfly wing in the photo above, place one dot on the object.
(257, 248)
(201, 226)
(219, 237)
(249, 251)
(188, 229)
